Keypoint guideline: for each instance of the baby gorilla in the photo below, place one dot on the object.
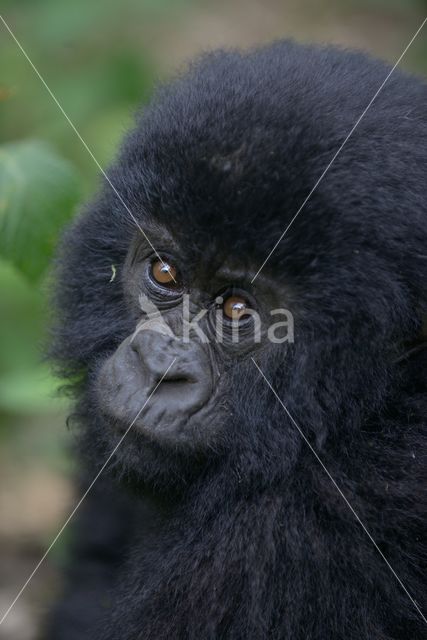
(260, 404)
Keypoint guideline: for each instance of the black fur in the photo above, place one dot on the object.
(254, 541)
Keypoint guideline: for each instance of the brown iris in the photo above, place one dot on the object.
(164, 273)
(235, 307)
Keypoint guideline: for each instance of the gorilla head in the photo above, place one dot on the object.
(211, 178)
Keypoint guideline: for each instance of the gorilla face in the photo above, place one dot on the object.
(170, 377)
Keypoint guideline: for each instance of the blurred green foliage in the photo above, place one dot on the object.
(39, 190)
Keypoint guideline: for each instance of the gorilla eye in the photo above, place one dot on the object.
(164, 273)
(235, 307)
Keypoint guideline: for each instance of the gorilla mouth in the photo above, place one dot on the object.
(179, 380)
(166, 426)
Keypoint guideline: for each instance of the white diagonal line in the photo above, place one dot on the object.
(74, 128)
(58, 535)
(316, 455)
(341, 147)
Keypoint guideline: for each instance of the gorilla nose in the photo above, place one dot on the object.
(180, 370)
(166, 358)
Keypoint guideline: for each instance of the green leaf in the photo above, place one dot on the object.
(38, 193)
